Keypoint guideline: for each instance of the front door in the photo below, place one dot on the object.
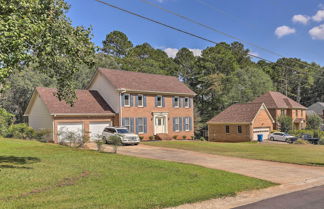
(160, 125)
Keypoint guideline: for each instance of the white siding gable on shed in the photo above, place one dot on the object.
(39, 117)
(107, 91)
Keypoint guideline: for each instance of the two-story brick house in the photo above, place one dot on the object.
(279, 104)
(147, 104)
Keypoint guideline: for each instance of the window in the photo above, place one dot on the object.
(283, 112)
(126, 100)
(186, 124)
(111, 130)
(186, 102)
(176, 124)
(227, 129)
(239, 129)
(302, 113)
(140, 102)
(122, 131)
(296, 113)
(159, 101)
(126, 123)
(176, 101)
(140, 125)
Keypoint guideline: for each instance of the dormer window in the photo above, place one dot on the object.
(186, 102)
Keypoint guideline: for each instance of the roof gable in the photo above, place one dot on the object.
(88, 102)
(238, 113)
(274, 99)
(145, 82)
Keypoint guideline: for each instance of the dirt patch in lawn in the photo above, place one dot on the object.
(64, 182)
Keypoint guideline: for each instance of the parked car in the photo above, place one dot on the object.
(125, 136)
(309, 138)
(284, 137)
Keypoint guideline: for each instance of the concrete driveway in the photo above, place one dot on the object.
(290, 177)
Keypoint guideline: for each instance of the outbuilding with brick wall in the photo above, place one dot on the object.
(240, 123)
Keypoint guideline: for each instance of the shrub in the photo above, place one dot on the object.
(285, 123)
(175, 136)
(184, 137)
(42, 135)
(115, 141)
(70, 138)
(151, 137)
(141, 138)
(202, 138)
(321, 141)
(301, 141)
(99, 144)
(192, 137)
(6, 119)
(314, 122)
(20, 131)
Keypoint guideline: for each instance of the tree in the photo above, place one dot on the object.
(22, 84)
(38, 32)
(144, 58)
(116, 44)
(314, 122)
(285, 123)
(185, 60)
(6, 119)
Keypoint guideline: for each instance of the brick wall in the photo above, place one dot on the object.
(262, 120)
(147, 112)
(217, 133)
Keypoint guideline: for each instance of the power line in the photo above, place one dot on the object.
(219, 31)
(182, 31)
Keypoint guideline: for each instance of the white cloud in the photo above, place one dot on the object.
(304, 19)
(172, 52)
(319, 16)
(254, 53)
(317, 33)
(196, 52)
(284, 30)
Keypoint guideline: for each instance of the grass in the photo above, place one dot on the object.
(39, 175)
(297, 154)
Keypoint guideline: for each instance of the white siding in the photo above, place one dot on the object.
(39, 117)
(107, 91)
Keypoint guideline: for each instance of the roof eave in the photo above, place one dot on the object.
(155, 92)
(83, 114)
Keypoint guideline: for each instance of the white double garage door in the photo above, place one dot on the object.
(264, 131)
(95, 129)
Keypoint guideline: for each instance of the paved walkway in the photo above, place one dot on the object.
(291, 177)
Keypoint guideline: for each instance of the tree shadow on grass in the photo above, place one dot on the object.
(13, 161)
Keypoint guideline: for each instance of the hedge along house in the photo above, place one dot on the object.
(147, 104)
(240, 123)
(87, 117)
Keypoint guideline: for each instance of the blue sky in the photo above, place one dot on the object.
(293, 28)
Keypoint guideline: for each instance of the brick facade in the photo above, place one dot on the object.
(293, 113)
(217, 132)
(150, 109)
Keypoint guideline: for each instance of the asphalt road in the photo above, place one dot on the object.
(306, 199)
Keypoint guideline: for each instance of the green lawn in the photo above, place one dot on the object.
(38, 175)
(298, 154)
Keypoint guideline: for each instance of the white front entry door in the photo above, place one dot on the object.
(96, 128)
(160, 125)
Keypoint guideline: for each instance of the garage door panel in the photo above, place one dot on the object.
(96, 128)
(264, 131)
(63, 129)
